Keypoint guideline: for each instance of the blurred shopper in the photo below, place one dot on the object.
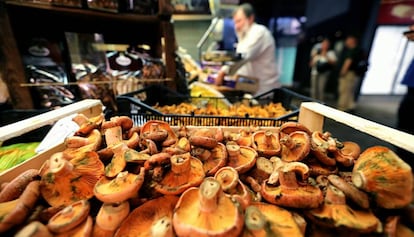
(322, 63)
(348, 77)
(405, 116)
(257, 48)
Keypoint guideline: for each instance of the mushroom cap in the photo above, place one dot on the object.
(160, 125)
(124, 186)
(207, 212)
(295, 146)
(382, 173)
(111, 215)
(118, 161)
(64, 182)
(266, 143)
(242, 158)
(217, 159)
(190, 173)
(291, 126)
(288, 192)
(146, 215)
(69, 217)
(275, 215)
(337, 214)
(84, 229)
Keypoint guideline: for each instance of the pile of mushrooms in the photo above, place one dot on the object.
(117, 179)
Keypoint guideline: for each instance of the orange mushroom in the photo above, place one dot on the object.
(160, 132)
(118, 161)
(69, 217)
(242, 158)
(64, 182)
(123, 187)
(86, 125)
(212, 159)
(186, 171)
(83, 230)
(295, 146)
(232, 186)
(266, 143)
(154, 217)
(334, 213)
(291, 126)
(15, 212)
(288, 192)
(348, 153)
(203, 137)
(76, 146)
(322, 144)
(111, 215)
(382, 173)
(206, 211)
(353, 193)
(264, 219)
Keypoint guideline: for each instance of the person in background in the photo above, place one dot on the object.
(323, 60)
(405, 116)
(348, 78)
(257, 48)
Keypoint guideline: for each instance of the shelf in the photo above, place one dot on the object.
(61, 11)
(192, 17)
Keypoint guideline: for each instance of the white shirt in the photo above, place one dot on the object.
(258, 47)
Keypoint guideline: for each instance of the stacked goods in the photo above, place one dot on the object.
(114, 178)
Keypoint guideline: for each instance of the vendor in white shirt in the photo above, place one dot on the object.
(257, 47)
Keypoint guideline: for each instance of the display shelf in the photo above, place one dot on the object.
(46, 20)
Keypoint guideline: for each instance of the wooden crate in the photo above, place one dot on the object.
(88, 107)
(312, 115)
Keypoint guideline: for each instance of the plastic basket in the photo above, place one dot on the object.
(140, 108)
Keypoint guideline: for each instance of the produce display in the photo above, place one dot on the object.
(114, 178)
(12, 155)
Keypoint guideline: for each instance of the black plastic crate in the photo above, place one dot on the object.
(141, 108)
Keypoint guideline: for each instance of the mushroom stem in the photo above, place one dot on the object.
(287, 141)
(162, 227)
(210, 191)
(60, 166)
(180, 163)
(288, 179)
(255, 222)
(233, 149)
(358, 179)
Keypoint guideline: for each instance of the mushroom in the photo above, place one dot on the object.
(69, 217)
(181, 146)
(160, 132)
(63, 182)
(288, 192)
(154, 218)
(203, 137)
(356, 195)
(212, 159)
(86, 125)
(17, 185)
(124, 186)
(264, 219)
(118, 161)
(322, 144)
(206, 211)
(295, 146)
(34, 229)
(186, 171)
(242, 158)
(348, 153)
(76, 146)
(111, 215)
(232, 186)
(382, 173)
(334, 213)
(15, 212)
(244, 137)
(291, 126)
(83, 230)
(266, 143)
(123, 121)
(262, 169)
